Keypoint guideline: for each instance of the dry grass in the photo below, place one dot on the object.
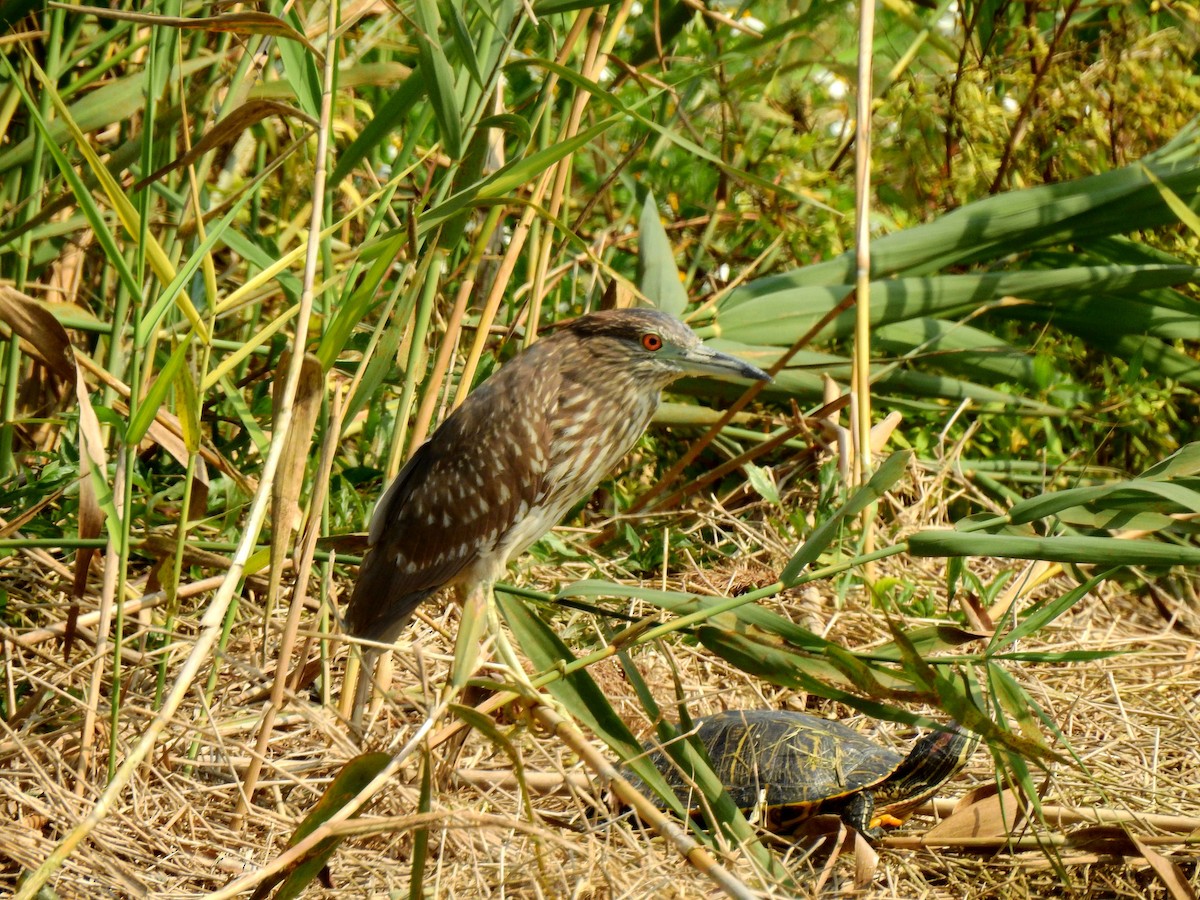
(1131, 719)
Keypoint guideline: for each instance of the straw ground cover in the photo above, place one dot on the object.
(250, 258)
(1127, 717)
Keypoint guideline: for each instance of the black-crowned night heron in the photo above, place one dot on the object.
(504, 467)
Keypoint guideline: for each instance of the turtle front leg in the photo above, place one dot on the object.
(859, 812)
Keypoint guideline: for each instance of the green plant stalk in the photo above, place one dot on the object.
(136, 364)
(128, 460)
(12, 360)
(172, 586)
(433, 266)
(57, 543)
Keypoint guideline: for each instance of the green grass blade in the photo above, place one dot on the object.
(1043, 614)
(580, 695)
(355, 775)
(440, 86)
(1074, 550)
(882, 480)
(420, 849)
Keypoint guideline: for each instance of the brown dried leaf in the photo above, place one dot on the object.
(227, 130)
(881, 432)
(1167, 870)
(976, 614)
(290, 481)
(983, 812)
(235, 23)
(1110, 840)
(47, 339)
(866, 861)
(834, 832)
(1113, 840)
(41, 333)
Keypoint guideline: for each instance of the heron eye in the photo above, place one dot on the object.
(652, 341)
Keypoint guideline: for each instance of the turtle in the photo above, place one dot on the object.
(791, 766)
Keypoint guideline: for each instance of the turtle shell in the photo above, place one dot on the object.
(792, 765)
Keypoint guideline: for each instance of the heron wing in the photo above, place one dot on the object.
(456, 499)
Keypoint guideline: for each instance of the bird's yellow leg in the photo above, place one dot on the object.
(507, 655)
(479, 618)
(476, 617)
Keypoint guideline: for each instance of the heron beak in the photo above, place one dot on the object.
(702, 360)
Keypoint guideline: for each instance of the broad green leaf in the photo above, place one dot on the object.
(780, 664)
(355, 775)
(1184, 461)
(1116, 202)
(683, 604)
(148, 407)
(440, 86)
(926, 641)
(465, 43)
(1135, 495)
(781, 317)
(764, 485)
(218, 232)
(803, 378)
(300, 70)
(960, 348)
(580, 695)
(1016, 703)
(658, 278)
(1077, 550)
(551, 7)
(387, 119)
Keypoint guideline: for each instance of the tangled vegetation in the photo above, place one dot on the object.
(249, 258)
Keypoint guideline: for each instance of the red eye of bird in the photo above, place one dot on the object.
(652, 342)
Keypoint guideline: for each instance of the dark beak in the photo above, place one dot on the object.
(702, 360)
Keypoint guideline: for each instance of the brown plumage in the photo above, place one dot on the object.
(524, 447)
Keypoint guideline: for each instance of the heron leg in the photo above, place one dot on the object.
(476, 619)
(362, 689)
(480, 617)
(507, 654)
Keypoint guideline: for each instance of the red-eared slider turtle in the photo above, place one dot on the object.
(790, 766)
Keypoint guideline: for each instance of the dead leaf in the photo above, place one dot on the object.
(235, 23)
(977, 615)
(866, 861)
(983, 812)
(46, 340)
(289, 481)
(227, 130)
(832, 832)
(1167, 870)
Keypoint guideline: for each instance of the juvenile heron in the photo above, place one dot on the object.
(508, 464)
